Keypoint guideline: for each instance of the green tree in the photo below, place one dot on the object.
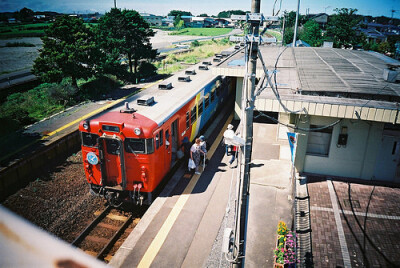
(341, 27)
(180, 25)
(227, 14)
(203, 15)
(24, 15)
(125, 35)
(288, 36)
(68, 49)
(177, 21)
(311, 33)
(180, 13)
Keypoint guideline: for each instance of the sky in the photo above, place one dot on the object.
(210, 7)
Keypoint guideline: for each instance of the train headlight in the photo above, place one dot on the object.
(86, 125)
(137, 131)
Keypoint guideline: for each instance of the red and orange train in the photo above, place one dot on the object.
(127, 151)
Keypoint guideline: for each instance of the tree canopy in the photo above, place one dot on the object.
(179, 13)
(125, 35)
(311, 33)
(341, 27)
(24, 15)
(227, 14)
(68, 49)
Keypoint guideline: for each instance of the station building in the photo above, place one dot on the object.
(344, 105)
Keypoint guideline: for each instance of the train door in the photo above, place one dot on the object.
(112, 164)
(174, 141)
(168, 150)
(159, 139)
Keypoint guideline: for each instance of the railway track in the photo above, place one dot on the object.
(102, 234)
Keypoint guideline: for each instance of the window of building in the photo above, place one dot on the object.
(319, 141)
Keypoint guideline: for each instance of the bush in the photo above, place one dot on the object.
(98, 86)
(195, 43)
(147, 69)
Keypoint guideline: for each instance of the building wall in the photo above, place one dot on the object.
(357, 159)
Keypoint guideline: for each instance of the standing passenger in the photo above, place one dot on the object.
(203, 146)
(195, 154)
(228, 134)
(186, 149)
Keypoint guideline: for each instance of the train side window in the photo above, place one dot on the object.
(218, 89)
(206, 101)
(161, 138)
(157, 141)
(200, 106)
(149, 146)
(212, 95)
(193, 115)
(187, 120)
(89, 139)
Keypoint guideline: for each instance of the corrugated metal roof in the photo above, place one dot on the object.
(338, 77)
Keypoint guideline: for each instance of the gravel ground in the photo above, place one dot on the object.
(58, 202)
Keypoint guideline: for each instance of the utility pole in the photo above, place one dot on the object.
(247, 111)
(115, 3)
(295, 25)
(283, 28)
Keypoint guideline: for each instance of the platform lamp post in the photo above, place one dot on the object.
(248, 107)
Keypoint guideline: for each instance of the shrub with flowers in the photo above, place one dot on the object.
(282, 228)
(285, 252)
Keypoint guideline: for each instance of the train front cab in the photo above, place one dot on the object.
(127, 163)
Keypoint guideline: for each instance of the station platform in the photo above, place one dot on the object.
(184, 226)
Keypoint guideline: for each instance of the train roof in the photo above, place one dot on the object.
(167, 101)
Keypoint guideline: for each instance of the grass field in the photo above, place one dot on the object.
(36, 29)
(275, 34)
(26, 30)
(176, 62)
(202, 31)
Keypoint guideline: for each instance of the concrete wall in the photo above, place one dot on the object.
(357, 159)
(238, 99)
(25, 170)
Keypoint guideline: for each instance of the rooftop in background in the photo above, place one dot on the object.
(324, 76)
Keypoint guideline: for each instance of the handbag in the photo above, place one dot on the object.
(191, 164)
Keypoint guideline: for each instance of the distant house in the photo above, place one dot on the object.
(321, 19)
(168, 21)
(152, 19)
(373, 35)
(197, 22)
(222, 23)
(187, 20)
(12, 20)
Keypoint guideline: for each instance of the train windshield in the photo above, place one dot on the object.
(139, 146)
(89, 139)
